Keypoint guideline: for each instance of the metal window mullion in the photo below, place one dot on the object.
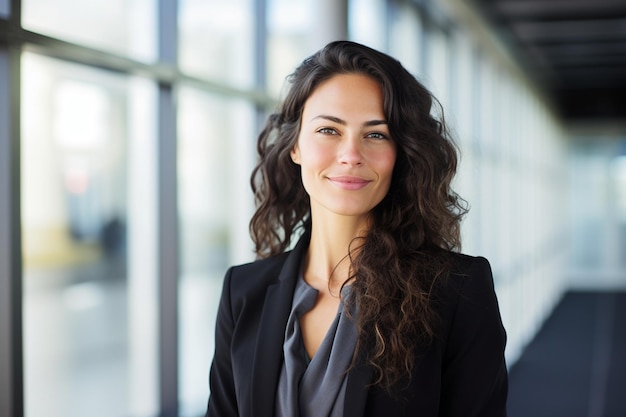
(168, 254)
(260, 59)
(168, 267)
(334, 25)
(260, 44)
(15, 12)
(162, 72)
(11, 360)
(452, 74)
(425, 47)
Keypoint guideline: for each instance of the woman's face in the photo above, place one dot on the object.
(344, 148)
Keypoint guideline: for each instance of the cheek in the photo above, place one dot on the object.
(314, 157)
(387, 163)
(313, 167)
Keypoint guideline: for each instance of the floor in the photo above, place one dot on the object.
(576, 365)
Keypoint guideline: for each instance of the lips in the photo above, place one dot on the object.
(348, 182)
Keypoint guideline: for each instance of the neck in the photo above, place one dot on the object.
(332, 237)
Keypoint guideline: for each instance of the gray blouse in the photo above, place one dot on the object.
(316, 387)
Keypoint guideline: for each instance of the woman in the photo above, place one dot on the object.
(372, 313)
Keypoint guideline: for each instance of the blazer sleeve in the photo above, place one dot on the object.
(474, 375)
(222, 399)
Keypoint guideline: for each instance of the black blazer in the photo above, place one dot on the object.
(462, 373)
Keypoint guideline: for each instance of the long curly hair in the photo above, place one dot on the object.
(417, 224)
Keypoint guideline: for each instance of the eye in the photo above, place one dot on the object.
(377, 135)
(327, 131)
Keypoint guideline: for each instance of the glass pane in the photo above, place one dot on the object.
(89, 314)
(618, 172)
(460, 107)
(125, 27)
(216, 40)
(216, 153)
(365, 25)
(288, 39)
(597, 181)
(437, 66)
(405, 37)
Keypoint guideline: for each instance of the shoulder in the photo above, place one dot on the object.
(248, 283)
(245, 286)
(255, 276)
(469, 302)
(468, 293)
(259, 267)
(470, 273)
(465, 264)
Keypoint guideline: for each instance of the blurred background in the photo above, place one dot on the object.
(127, 136)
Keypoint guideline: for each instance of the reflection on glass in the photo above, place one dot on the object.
(216, 155)
(125, 27)
(78, 355)
(216, 40)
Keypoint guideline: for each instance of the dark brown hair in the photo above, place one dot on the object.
(414, 226)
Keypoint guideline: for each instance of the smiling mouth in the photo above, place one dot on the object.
(349, 183)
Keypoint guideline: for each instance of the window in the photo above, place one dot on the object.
(216, 136)
(288, 39)
(367, 22)
(88, 323)
(405, 37)
(124, 27)
(216, 40)
(91, 177)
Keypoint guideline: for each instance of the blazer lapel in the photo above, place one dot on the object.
(269, 347)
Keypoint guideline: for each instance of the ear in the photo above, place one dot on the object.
(295, 154)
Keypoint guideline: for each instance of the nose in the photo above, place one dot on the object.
(350, 152)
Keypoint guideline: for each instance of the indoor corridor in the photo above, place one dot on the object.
(128, 135)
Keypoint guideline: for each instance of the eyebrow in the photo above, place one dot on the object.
(343, 122)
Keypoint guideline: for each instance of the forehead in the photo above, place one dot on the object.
(347, 92)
